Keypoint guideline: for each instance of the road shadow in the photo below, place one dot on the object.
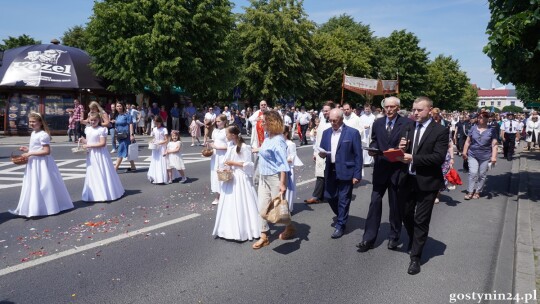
(6, 302)
(448, 200)
(432, 249)
(302, 234)
(355, 223)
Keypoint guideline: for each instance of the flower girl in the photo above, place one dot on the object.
(174, 158)
(195, 130)
(157, 172)
(294, 161)
(237, 215)
(43, 191)
(102, 182)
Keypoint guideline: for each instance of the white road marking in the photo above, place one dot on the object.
(86, 247)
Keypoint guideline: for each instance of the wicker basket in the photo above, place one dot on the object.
(207, 151)
(79, 149)
(18, 159)
(224, 175)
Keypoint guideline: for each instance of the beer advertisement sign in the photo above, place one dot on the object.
(41, 68)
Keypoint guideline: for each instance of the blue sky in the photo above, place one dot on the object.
(450, 27)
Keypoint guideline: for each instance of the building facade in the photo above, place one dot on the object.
(498, 98)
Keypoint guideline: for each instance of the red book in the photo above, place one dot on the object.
(393, 154)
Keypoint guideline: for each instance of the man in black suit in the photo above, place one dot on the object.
(425, 150)
(386, 134)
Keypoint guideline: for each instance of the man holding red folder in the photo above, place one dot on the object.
(386, 134)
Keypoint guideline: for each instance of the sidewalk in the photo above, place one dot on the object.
(527, 245)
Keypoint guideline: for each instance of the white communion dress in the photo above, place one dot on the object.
(237, 215)
(157, 172)
(101, 182)
(219, 136)
(43, 191)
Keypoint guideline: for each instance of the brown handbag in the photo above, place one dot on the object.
(277, 211)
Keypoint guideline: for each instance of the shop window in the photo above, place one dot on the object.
(483, 103)
(20, 105)
(3, 105)
(56, 107)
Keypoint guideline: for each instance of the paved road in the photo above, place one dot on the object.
(155, 246)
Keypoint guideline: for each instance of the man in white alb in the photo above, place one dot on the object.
(366, 122)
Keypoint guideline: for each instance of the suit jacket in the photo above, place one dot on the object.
(348, 155)
(431, 154)
(382, 168)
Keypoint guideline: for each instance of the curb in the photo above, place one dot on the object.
(525, 272)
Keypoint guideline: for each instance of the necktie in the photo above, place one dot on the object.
(389, 128)
(511, 126)
(416, 138)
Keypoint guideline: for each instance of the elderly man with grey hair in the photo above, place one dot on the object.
(386, 134)
(340, 146)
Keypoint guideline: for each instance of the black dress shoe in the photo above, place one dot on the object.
(392, 244)
(364, 246)
(337, 233)
(414, 268)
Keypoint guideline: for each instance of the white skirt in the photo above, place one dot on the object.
(237, 216)
(102, 182)
(43, 191)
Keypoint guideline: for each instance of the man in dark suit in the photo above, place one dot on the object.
(342, 149)
(386, 134)
(425, 150)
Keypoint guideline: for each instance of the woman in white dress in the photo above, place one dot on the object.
(237, 215)
(157, 172)
(101, 182)
(219, 144)
(43, 191)
(294, 161)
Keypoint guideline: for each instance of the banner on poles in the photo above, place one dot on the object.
(370, 86)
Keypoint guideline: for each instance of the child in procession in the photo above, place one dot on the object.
(101, 182)
(294, 161)
(174, 158)
(43, 191)
(195, 130)
(157, 172)
(237, 216)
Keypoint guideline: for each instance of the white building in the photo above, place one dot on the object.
(498, 98)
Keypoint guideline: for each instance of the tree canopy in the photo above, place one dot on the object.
(447, 83)
(13, 42)
(514, 41)
(161, 43)
(278, 57)
(75, 37)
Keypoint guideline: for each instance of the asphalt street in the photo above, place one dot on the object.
(154, 245)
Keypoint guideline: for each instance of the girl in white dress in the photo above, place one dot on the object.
(294, 161)
(174, 158)
(219, 145)
(101, 182)
(157, 172)
(43, 191)
(237, 215)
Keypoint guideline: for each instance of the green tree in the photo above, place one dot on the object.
(514, 109)
(162, 43)
(469, 99)
(75, 37)
(400, 52)
(514, 41)
(342, 42)
(13, 42)
(527, 93)
(447, 83)
(278, 59)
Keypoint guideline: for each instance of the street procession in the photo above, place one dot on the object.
(162, 163)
